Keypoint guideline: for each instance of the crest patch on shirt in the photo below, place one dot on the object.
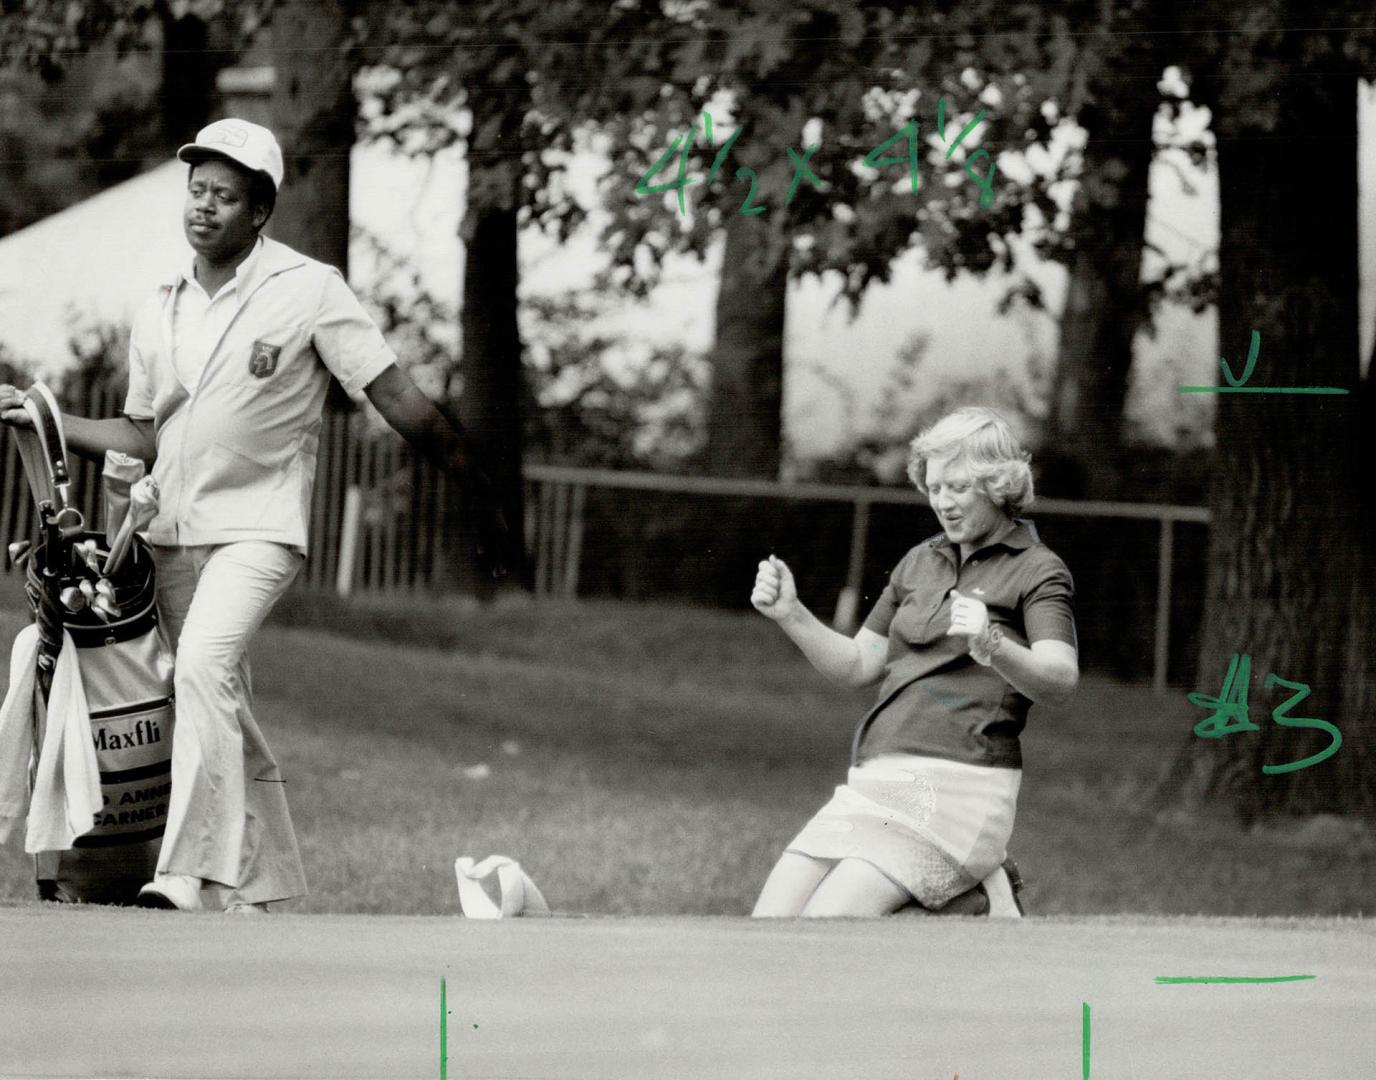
(262, 361)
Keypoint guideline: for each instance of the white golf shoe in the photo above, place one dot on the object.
(179, 892)
(1003, 902)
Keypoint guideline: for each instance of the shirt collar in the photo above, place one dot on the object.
(269, 257)
(1019, 536)
(242, 272)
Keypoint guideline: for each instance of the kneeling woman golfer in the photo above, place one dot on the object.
(974, 626)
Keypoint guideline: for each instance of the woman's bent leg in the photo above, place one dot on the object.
(856, 888)
(1003, 903)
(791, 883)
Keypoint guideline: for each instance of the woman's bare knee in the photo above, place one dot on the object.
(790, 884)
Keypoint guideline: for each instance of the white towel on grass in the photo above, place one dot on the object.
(516, 893)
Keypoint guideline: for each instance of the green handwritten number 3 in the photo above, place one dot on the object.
(1231, 712)
(1280, 714)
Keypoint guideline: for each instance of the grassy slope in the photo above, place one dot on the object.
(650, 759)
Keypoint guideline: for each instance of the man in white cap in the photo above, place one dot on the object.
(229, 363)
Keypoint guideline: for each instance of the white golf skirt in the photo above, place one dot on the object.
(936, 827)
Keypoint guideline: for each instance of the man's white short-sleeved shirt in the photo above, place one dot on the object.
(237, 450)
(200, 320)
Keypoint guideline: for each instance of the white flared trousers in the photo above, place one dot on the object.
(227, 820)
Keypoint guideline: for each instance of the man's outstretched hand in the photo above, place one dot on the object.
(494, 544)
(439, 437)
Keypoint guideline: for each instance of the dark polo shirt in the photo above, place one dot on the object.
(935, 699)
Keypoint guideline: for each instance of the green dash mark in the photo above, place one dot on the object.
(444, 1033)
(1237, 383)
(1084, 1041)
(1174, 980)
(1262, 390)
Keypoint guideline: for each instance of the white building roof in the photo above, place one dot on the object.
(89, 264)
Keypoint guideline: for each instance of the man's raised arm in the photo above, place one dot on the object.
(442, 441)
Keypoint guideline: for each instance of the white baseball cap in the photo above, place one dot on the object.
(251, 145)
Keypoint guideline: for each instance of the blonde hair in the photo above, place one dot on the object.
(980, 439)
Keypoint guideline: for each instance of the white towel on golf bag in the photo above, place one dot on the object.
(516, 892)
(66, 790)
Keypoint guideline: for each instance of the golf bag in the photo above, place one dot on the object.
(126, 672)
(125, 669)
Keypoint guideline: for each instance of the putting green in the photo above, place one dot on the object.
(100, 992)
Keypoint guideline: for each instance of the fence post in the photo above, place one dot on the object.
(559, 536)
(348, 541)
(1165, 559)
(573, 557)
(848, 603)
(550, 538)
(533, 490)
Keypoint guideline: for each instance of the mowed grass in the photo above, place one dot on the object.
(642, 759)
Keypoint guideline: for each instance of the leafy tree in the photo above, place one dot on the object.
(536, 80)
(512, 83)
(636, 416)
(313, 100)
(445, 63)
(72, 122)
(829, 84)
(47, 35)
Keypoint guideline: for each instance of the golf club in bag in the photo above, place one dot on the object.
(100, 588)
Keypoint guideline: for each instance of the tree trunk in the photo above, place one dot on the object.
(1115, 100)
(727, 536)
(1290, 573)
(491, 406)
(313, 109)
(188, 75)
(1105, 304)
(744, 424)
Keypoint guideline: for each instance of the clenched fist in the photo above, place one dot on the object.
(775, 593)
(969, 617)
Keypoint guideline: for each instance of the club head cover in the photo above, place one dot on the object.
(120, 473)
